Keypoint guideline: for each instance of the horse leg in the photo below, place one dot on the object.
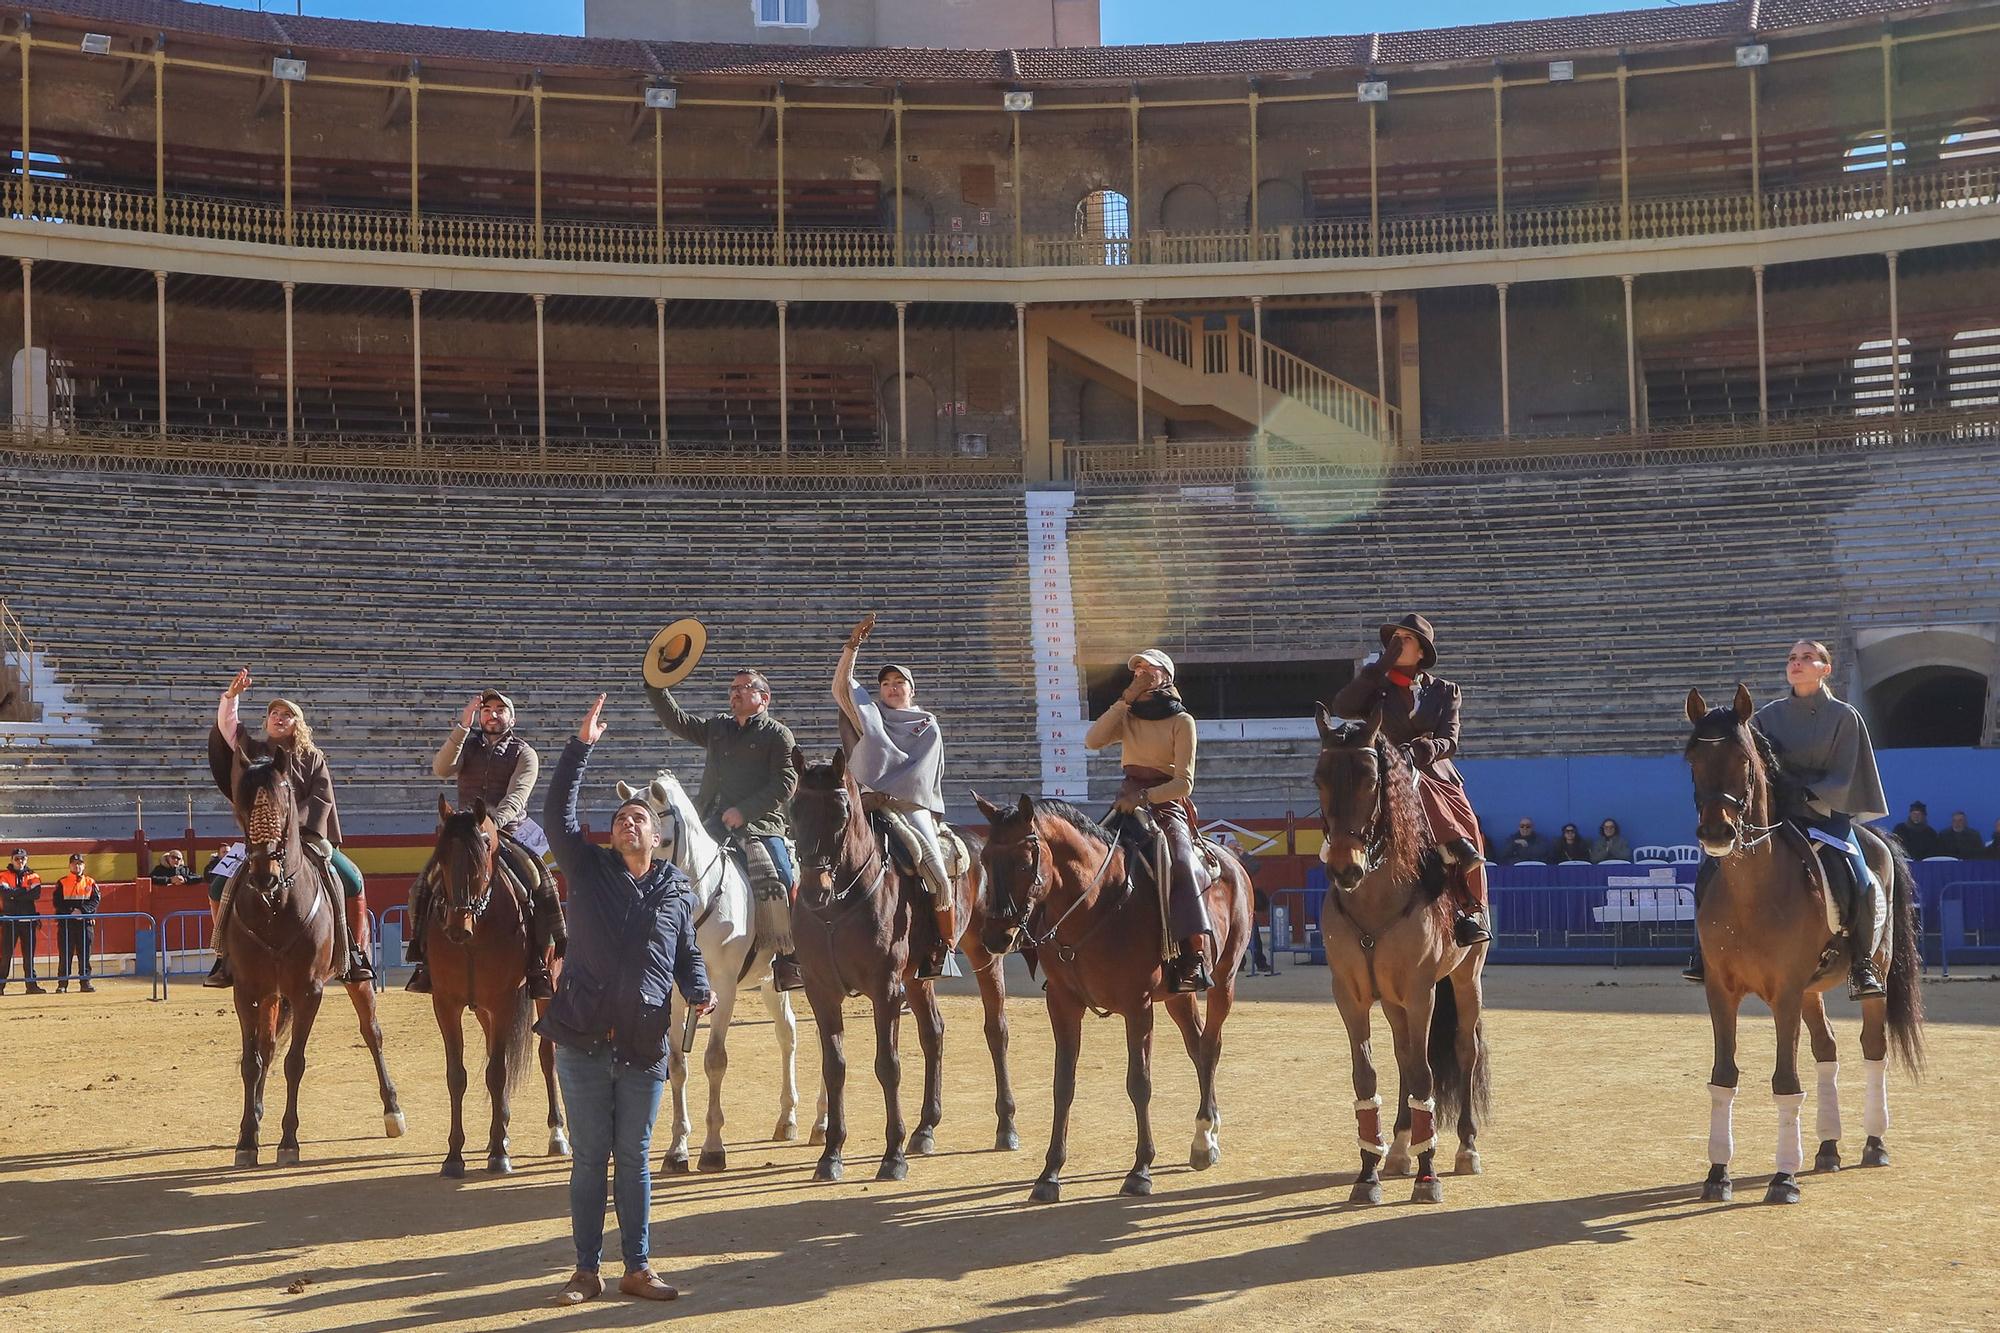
(1786, 1092)
(1207, 1150)
(929, 1018)
(303, 1014)
(1066, 1019)
(1139, 1087)
(1826, 1063)
(674, 1161)
(778, 1004)
(251, 1021)
(833, 1083)
(495, 1029)
(993, 999)
(1356, 1012)
(1466, 991)
(1397, 1163)
(889, 1073)
(1413, 1058)
(1875, 1079)
(1181, 1008)
(451, 1026)
(1722, 1008)
(362, 993)
(715, 1064)
(558, 1132)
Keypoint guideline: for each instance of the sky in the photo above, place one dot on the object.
(1124, 20)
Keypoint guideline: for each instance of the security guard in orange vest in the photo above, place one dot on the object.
(20, 896)
(77, 897)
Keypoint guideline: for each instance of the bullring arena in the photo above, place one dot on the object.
(397, 363)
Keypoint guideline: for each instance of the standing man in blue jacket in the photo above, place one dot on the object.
(631, 941)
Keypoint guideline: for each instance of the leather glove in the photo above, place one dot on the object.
(1423, 752)
(1130, 797)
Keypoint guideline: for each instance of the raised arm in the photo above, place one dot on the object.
(559, 819)
(848, 695)
(1358, 695)
(445, 763)
(226, 719)
(692, 729)
(1109, 727)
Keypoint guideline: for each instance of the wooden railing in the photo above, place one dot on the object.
(1531, 225)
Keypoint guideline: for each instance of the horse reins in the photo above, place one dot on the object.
(1738, 804)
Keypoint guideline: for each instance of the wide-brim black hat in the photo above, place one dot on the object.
(1418, 627)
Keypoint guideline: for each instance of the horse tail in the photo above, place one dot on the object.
(284, 1018)
(520, 1049)
(1906, 1002)
(1452, 1085)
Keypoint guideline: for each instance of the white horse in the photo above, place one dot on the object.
(736, 961)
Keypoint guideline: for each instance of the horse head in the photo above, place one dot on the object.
(467, 843)
(1352, 776)
(1019, 869)
(1729, 773)
(264, 796)
(826, 812)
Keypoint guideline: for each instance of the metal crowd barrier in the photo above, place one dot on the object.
(146, 957)
(176, 927)
(1963, 917)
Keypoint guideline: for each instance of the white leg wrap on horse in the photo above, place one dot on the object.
(1791, 1153)
(1826, 1117)
(1429, 1107)
(1875, 1102)
(1368, 1103)
(1721, 1135)
(1375, 1146)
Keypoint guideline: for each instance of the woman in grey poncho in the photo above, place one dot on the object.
(896, 753)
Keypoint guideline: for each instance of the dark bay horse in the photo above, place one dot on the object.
(1057, 884)
(476, 941)
(281, 945)
(852, 925)
(1766, 930)
(1388, 934)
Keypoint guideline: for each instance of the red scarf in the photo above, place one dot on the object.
(1400, 677)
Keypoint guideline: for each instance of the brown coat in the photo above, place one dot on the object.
(314, 783)
(1423, 716)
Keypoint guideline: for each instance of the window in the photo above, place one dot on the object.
(1973, 148)
(783, 14)
(1972, 369)
(1874, 375)
(1106, 216)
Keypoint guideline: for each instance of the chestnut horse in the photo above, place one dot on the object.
(475, 939)
(1762, 917)
(281, 945)
(1057, 885)
(852, 924)
(1388, 936)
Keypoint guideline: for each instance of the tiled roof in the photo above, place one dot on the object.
(1290, 55)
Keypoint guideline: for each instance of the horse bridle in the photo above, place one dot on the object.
(1375, 836)
(1737, 805)
(680, 838)
(1027, 938)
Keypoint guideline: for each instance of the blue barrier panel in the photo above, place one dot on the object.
(145, 959)
(389, 940)
(1967, 916)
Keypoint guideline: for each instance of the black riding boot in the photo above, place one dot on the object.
(1696, 970)
(1188, 974)
(1469, 924)
(1863, 981)
(218, 977)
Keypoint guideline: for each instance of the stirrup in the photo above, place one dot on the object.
(358, 969)
(1696, 969)
(420, 980)
(1469, 928)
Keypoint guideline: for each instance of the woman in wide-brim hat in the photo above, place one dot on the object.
(1420, 714)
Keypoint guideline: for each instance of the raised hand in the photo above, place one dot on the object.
(862, 629)
(470, 714)
(591, 730)
(242, 682)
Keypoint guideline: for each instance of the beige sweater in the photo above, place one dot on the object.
(1166, 744)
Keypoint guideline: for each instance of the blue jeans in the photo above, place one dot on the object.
(781, 857)
(610, 1107)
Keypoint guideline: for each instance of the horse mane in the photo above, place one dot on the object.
(1406, 814)
(1072, 816)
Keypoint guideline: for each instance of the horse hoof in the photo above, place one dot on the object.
(1827, 1159)
(674, 1166)
(1138, 1183)
(1874, 1153)
(786, 1132)
(922, 1143)
(288, 1157)
(1427, 1190)
(893, 1168)
(558, 1143)
(817, 1137)
(1046, 1191)
(1717, 1191)
(1365, 1191)
(1784, 1188)
(1396, 1164)
(246, 1157)
(393, 1125)
(713, 1159)
(1467, 1163)
(499, 1166)
(828, 1170)
(1006, 1141)
(453, 1168)
(1204, 1155)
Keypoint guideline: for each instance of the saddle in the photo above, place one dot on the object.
(957, 856)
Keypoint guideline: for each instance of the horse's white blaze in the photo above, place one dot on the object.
(1791, 1153)
(1826, 1114)
(1721, 1132)
(1875, 1097)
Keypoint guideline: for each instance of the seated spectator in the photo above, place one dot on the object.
(1993, 847)
(1960, 840)
(1570, 846)
(172, 870)
(1610, 844)
(1919, 839)
(1523, 846)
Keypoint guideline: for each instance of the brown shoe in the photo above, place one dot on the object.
(583, 1285)
(785, 974)
(646, 1286)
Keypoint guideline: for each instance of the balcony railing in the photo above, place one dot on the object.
(374, 230)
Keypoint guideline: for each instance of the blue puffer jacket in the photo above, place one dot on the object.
(630, 939)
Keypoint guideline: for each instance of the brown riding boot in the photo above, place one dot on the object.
(1469, 925)
(358, 969)
(934, 962)
(540, 986)
(785, 974)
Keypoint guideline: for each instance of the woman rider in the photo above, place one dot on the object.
(1155, 734)
(1824, 746)
(285, 728)
(1420, 713)
(896, 753)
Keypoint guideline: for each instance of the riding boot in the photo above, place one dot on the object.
(933, 965)
(1469, 925)
(415, 921)
(1696, 969)
(1863, 981)
(219, 977)
(1188, 974)
(785, 974)
(358, 969)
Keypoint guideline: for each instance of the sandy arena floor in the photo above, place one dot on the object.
(118, 1204)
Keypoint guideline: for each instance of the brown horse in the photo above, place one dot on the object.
(852, 924)
(475, 939)
(1058, 886)
(1765, 930)
(1388, 936)
(281, 945)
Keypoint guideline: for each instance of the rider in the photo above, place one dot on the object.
(746, 781)
(1824, 746)
(494, 765)
(285, 728)
(896, 752)
(1155, 735)
(1420, 713)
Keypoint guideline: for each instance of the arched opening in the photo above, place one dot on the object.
(1873, 375)
(1190, 207)
(923, 413)
(1866, 164)
(1280, 203)
(1929, 706)
(1972, 368)
(1105, 217)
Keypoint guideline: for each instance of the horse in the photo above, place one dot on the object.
(475, 939)
(852, 924)
(1388, 934)
(281, 943)
(737, 961)
(1057, 885)
(1767, 928)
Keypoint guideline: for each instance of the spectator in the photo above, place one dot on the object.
(172, 869)
(1523, 846)
(77, 898)
(1919, 839)
(1960, 840)
(1993, 847)
(1570, 846)
(1610, 844)
(20, 895)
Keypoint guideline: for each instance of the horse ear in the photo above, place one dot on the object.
(479, 810)
(625, 790)
(658, 791)
(839, 765)
(994, 814)
(1374, 725)
(1697, 706)
(444, 808)
(1026, 809)
(1323, 719)
(798, 759)
(1745, 706)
